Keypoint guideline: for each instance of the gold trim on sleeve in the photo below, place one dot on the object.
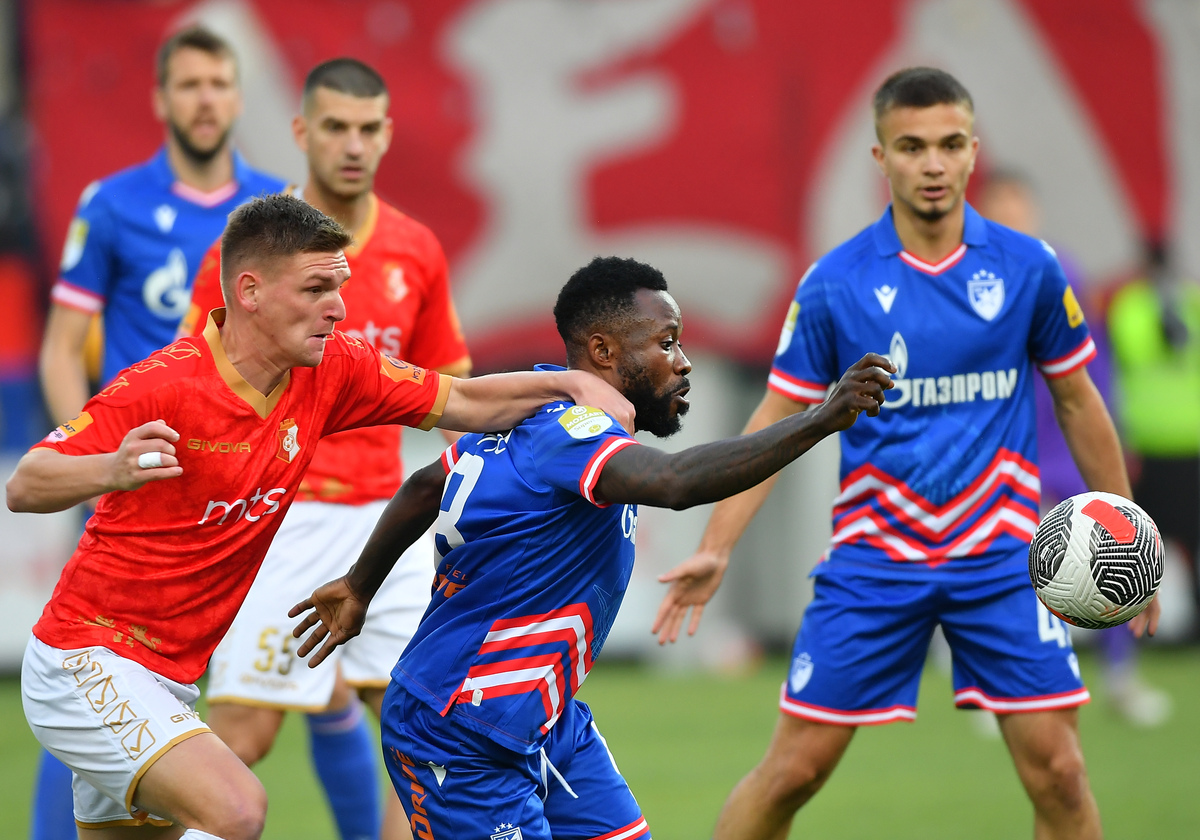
(439, 404)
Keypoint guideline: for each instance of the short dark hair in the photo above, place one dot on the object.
(274, 226)
(600, 297)
(919, 87)
(345, 75)
(193, 37)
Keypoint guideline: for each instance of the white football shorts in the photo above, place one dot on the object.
(108, 719)
(256, 665)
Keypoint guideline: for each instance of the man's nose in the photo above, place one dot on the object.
(337, 312)
(682, 365)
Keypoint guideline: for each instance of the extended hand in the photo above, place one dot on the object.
(155, 440)
(860, 389)
(693, 583)
(338, 615)
(1147, 620)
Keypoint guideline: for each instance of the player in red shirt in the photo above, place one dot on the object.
(398, 302)
(225, 426)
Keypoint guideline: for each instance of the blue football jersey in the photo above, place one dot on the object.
(948, 470)
(532, 570)
(133, 249)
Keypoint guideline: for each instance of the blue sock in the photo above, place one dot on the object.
(343, 753)
(53, 805)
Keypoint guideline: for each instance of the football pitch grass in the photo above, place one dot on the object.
(683, 741)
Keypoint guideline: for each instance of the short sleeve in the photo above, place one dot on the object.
(206, 292)
(372, 389)
(1059, 341)
(571, 450)
(103, 423)
(88, 260)
(438, 340)
(805, 361)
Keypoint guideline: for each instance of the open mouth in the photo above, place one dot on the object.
(934, 193)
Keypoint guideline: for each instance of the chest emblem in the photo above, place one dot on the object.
(164, 217)
(986, 293)
(289, 446)
(885, 295)
(396, 287)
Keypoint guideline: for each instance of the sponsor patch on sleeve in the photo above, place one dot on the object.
(76, 239)
(70, 428)
(583, 421)
(1074, 310)
(401, 371)
(789, 328)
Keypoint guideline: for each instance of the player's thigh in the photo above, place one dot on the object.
(247, 730)
(801, 751)
(1011, 654)
(110, 720)
(396, 610)
(255, 662)
(858, 655)
(456, 783)
(585, 794)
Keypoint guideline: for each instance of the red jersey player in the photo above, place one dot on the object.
(225, 426)
(398, 302)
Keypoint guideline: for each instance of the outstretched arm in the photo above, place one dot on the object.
(46, 480)
(1096, 450)
(696, 580)
(340, 606)
(502, 400)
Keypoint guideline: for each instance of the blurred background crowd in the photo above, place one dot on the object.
(724, 141)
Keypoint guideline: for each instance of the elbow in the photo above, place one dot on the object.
(16, 497)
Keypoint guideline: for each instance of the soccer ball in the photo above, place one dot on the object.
(1096, 560)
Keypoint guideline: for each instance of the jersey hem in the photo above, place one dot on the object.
(1073, 361)
(800, 390)
(635, 829)
(87, 826)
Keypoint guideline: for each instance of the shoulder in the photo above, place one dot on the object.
(1026, 250)
(565, 423)
(397, 226)
(168, 367)
(855, 254)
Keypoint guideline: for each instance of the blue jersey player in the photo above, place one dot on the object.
(131, 253)
(483, 736)
(939, 498)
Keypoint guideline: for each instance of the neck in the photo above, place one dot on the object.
(204, 176)
(245, 353)
(350, 213)
(931, 241)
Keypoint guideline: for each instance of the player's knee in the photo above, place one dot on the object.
(795, 782)
(243, 815)
(1062, 782)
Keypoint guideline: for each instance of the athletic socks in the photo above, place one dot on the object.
(343, 753)
(53, 803)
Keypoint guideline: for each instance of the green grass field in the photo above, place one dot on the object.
(683, 741)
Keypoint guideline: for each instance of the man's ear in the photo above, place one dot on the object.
(246, 288)
(602, 351)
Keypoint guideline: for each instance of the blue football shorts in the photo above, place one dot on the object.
(456, 783)
(858, 655)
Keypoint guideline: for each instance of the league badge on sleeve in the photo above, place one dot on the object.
(986, 293)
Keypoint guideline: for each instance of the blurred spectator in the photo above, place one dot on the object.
(1009, 198)
(1154, 325)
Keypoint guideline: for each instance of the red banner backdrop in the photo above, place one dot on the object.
(726, 140)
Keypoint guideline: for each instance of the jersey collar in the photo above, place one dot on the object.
(887, 241)
(160, 165)
(263, 406)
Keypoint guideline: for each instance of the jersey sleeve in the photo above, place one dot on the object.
(454, 451)
(374, 390)
(571, 451)
(438, 340)
(88, 263)
(1059, 341)
(805, 361)
(104, 421)
(206, 292)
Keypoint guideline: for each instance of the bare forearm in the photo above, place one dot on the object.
(1095, 446)
(502, 400)
(46, 481)
(408, 515)
(64, 383)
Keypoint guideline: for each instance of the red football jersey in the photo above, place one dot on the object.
(398, 301)
(161, 571)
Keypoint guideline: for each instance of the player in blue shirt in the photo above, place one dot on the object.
(939, 499)
(131, 253)
(535, 535)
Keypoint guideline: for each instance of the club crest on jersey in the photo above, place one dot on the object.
(396, 287)
(583, 421)
(507, 831)
(802, 668)
(986, 293)
(289, 446)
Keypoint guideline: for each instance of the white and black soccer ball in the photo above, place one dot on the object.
(1096, 560)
